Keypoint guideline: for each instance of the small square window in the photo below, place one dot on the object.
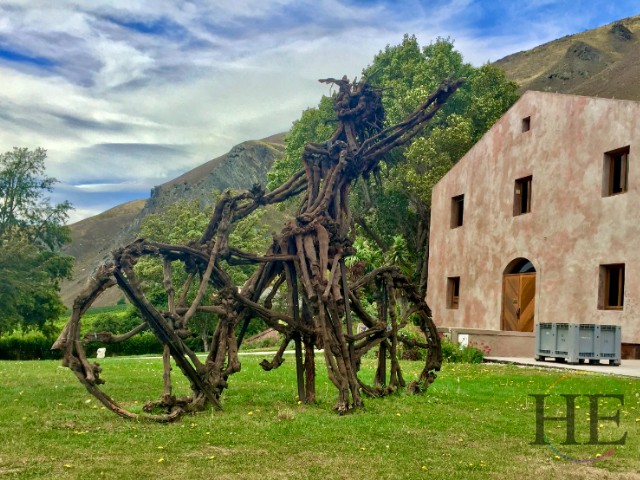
(611, 291)
(457, 211)
(526, 124)
(616, 170)
(522, 196)
(453, 292)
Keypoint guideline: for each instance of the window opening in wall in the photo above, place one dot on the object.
(457, 211)
(612, 287)
(453, 292)
(522, 266)
(522, 196)
(616, 168)
(526, 124)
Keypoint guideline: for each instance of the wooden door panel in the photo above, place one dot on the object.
(510, 302)
(527, 301)
(518, 302)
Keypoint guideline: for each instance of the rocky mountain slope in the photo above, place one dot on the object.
(93, 239)
(603, 62)
(244, 165)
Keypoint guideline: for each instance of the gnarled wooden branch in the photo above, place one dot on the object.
(306, 258)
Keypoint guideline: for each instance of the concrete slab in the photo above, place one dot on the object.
(627, 368)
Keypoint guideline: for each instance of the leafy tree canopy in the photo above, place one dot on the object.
(183, 222)
(31, 231)
(25, 210)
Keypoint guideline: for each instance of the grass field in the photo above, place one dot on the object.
(476, 421)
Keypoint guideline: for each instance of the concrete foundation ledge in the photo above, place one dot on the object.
(496, 343)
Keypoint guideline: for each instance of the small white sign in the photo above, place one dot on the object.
(101, 352)
(463, 340)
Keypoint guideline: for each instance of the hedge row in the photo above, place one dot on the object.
(141, 344)
(36, 346)
(28, 346)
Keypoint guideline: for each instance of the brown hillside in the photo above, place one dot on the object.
(92, 240)
(241, 167)
(602, 62)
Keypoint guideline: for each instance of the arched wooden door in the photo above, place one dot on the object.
(518, 296)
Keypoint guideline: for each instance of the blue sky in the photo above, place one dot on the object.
(126, 95)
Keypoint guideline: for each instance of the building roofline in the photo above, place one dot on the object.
(530, 93)
(559, 94)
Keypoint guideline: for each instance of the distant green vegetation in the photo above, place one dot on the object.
(116, 309)
(117, 319)
(474, 422)
(31, 233)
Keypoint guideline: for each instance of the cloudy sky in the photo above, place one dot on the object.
(125, 95)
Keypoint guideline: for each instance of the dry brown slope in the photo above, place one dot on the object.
(92, 240)
(240, 168)
(601, 62)
(196, 175)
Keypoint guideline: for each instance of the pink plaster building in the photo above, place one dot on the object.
(539, 222)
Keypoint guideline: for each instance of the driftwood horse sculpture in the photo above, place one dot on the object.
(305, 263)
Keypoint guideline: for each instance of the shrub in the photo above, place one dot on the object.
(411, 332)
(32, 345)
(413, 354)
(111, 319)
(141, 344)
(144, 343)
(453, 352)
(37, 346)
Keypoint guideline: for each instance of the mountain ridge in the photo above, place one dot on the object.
(604, 62)
(242, 166)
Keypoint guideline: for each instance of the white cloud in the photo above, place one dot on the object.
(126, 94)
(121, 63)
(81, 213)
(107, 187)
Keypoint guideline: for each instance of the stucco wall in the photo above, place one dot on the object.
(571, 229)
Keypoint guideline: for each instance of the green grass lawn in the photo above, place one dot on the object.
(476, 421)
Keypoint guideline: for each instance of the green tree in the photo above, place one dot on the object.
(179, 223)
(31, 232)
(407, 74)
(410, 74)
(183, 222)
(315, 125)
